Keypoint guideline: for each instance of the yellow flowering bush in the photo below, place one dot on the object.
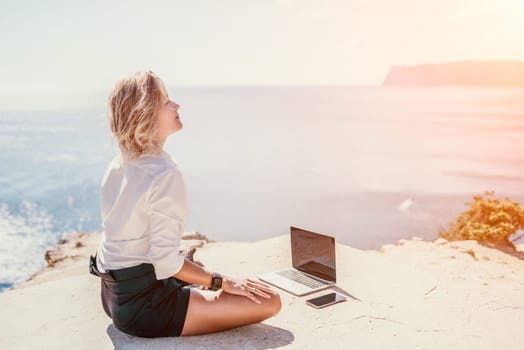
(488, 220)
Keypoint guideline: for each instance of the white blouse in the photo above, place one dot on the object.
(144, 212)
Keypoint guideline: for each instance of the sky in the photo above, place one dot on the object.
(57, 46)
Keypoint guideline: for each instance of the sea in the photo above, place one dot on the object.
(368, 165)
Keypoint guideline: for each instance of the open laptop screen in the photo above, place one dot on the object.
(313, 253)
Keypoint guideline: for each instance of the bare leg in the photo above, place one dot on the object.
(210, 312)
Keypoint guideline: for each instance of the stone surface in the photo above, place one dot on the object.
(418, 295)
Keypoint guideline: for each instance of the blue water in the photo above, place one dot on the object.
(367, 165)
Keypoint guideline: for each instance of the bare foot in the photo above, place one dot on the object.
(189, 254)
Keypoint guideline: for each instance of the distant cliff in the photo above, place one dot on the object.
(461, 73)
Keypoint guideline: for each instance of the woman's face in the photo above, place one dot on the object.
(168, 118)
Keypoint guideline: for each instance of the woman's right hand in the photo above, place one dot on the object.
(247, 287)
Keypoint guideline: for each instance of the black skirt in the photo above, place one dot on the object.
(141, 305)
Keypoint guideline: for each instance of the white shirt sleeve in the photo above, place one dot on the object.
(168, 209)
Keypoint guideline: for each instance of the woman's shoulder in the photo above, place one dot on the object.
(156, 165)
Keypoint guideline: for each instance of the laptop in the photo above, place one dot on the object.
(314, 265)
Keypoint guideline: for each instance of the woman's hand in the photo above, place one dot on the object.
(247, 287)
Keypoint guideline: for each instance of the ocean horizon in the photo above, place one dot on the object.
(368, 165)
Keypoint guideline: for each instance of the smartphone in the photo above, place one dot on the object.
(325, 300)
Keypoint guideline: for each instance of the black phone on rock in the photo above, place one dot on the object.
(325, 300)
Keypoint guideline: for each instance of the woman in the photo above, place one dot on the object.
(144, 211)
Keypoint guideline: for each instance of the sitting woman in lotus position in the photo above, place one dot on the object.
(145, 280)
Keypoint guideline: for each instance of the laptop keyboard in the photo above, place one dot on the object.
(301, 278)
(318, 268)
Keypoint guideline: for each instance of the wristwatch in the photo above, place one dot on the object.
(216, 281)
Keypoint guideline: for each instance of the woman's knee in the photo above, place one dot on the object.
(274, 304)
(211, 313)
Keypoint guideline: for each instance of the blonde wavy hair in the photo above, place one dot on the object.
(134, 104)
